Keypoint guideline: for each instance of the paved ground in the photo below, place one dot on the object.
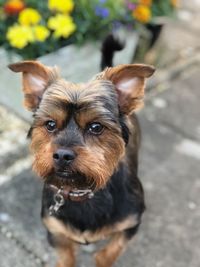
(169, 170)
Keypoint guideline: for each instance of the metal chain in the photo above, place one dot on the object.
(58, 202)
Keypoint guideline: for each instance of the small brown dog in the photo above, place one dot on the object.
(85, 140)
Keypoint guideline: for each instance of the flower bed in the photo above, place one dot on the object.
(33, 28)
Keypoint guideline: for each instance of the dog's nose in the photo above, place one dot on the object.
(64, 156)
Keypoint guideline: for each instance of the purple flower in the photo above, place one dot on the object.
(131, 6)
(102, 11)
(102, 1)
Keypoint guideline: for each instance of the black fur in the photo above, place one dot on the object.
(129, 233)
(124, 128)
(123, 194)
(110, 45)
(30, 131)
(109, 205)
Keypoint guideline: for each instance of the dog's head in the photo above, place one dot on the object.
(77, 136)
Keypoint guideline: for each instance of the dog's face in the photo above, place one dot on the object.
(77, 135)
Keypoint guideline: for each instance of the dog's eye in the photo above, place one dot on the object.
(95, 128)
(50, 125)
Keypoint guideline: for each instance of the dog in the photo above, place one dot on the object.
(85, 140)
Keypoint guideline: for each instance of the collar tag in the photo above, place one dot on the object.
(58, 202)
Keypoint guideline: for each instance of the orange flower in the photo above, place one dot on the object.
(145, 2)
(14, 7)
(142, 14)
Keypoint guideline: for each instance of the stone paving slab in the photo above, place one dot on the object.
(10, 89)
(170, 233)
(13, 143)
(179, 39)
(20, 200)
(17, 256)
(179, 108)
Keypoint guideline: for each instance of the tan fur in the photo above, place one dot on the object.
(105, 257)
(36, 78)
(129, 70)
(57, 228)
(130, 82)
(99, 153)
(102, 158)
(42, 151)
(66, 255)
(109, 254)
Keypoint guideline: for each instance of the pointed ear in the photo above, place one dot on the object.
(129, 81)
(35, 78)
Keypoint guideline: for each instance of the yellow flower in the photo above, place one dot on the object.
(142, 13)
(64, 6)
(19, 36)
(145, 2)
(29, 16)
(62, 25)
(41, 33)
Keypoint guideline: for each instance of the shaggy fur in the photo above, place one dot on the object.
(86, 136)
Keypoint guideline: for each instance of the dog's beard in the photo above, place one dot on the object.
(70, 180)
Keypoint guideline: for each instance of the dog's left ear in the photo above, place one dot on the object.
(36, 77)
(129, 81)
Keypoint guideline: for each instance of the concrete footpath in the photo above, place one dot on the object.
(169, 168)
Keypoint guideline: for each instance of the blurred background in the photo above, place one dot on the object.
(70, 34)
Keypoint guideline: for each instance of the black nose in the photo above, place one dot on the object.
(64, 156)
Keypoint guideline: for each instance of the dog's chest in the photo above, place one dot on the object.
(65, 232)
(111, 210)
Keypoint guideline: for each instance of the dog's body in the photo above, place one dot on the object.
(85, 144)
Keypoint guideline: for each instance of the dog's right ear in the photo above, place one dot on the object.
(35, 78)
(129, 81)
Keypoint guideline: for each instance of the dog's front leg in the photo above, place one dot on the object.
(109, 254)
(66, 255)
